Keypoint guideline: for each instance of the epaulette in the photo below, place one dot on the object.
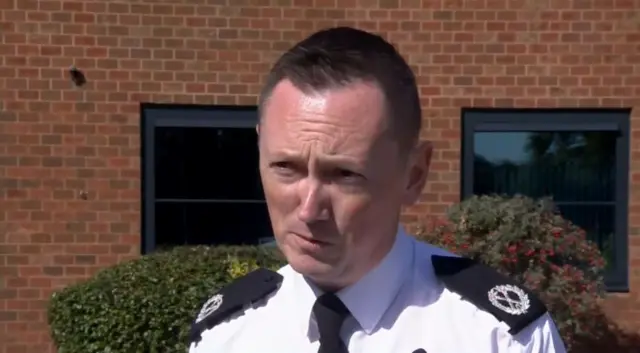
(234, 297)
(489, 290)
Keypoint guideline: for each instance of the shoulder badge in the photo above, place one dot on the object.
(233, 298)
(486, 288)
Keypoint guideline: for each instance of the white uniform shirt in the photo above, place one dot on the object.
(398, 307)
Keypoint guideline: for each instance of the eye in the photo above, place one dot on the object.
(343, 173)
(348, 176)
(282, 165)
(284, 168)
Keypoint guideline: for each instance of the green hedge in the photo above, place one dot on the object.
(147, 305)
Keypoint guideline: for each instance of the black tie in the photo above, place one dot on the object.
(330, 314)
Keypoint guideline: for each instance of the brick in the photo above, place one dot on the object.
(8, 316)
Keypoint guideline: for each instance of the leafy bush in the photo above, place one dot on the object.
(529, 241)
(147, 305)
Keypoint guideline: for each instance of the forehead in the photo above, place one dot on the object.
(356, 107)
(338, 125)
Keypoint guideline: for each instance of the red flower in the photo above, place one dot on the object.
(534, 240)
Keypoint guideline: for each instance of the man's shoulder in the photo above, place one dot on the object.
(485, 288)
(235, 298)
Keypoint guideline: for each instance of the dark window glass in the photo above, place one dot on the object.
(579, 157)
(577, 169)
(195, 223)
(206, 163)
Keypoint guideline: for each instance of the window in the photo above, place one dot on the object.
(579, 157)
(201, 183)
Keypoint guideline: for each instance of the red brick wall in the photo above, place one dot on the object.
(58, 141)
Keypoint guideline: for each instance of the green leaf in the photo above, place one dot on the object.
(148, 304)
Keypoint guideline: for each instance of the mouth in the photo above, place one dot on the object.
(312, 240)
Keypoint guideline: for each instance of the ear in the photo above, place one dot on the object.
(418, 171)
(258, 129)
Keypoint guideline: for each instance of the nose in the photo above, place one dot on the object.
(313, 206)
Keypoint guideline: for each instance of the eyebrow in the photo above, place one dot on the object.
(328, 159)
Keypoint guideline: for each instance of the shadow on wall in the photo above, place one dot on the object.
(611, 338)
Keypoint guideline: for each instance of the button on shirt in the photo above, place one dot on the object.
(398, 307)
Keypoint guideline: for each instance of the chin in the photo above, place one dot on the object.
(307, 265)
(323, 275)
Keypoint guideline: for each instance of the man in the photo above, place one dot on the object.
(339, 157)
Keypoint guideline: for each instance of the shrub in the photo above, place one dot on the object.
(529, 241)
(148, 304)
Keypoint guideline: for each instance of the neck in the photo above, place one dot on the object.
(354, 273)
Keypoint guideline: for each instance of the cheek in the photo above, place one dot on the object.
(351, 212)
(281, 200)
(359, 213)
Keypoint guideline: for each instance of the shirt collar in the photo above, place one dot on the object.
(369, 298)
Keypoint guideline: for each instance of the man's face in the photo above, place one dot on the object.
(334, 179)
